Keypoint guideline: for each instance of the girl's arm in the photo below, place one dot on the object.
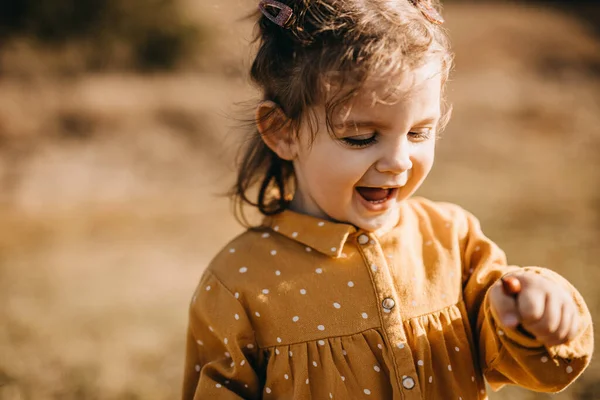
(222, 357)
(511, 356)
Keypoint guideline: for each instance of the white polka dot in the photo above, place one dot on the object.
(321, 327)
(337, 305)
(400, 345)
(197, 367)
(268, 390)
(265, 235)
(333, 249)
(294, 234)
(319, 270)
(243, 270)
(314, 363)
(200, 342)
(286, 376)
(250, 346)
(302, 291)
(430, 379)
(456, 348)
(246, 385)
(477, 248)
(265, 291)
(225, 340)
(367, 391)
(278, 340)
(290, 353)
(307, 381)
(295, 318)
(276, 228)
(380, 346)
(569, 369)
(544, 359)
(232, 250)
(227, 354)
(257, 314)
(473, 378)
(218, 385)
(308, 249)
(351, 284)
(420, 363)
(273, 252)
(278, 272)
(277, 351)
(321, 223)
(330, 396)
(210, 328)
(500, 332)
(231, 365)
(449, 367)
(208, 288)
(344, 352)
(482, 391)
(242, 362)
(343, 378)
(236, 316)
(237, 295)
(374, 267)
(364, 315)
(376, 368)
(321, 343)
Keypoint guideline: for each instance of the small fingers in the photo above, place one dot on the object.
(544, 328)
(532, 306)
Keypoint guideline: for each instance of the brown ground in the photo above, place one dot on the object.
(108, 211)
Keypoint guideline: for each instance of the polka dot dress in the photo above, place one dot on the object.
(309, 309)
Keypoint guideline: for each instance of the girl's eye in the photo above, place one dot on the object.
(360, 142)
(420, 136)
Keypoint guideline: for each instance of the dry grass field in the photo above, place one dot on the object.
(110, 183)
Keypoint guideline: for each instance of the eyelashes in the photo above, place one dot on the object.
(359, 143)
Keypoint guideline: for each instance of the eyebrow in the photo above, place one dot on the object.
(373, 124)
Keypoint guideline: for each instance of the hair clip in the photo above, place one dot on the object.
(428, 11)
(284, 15)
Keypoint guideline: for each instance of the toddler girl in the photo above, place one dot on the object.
(351, 288)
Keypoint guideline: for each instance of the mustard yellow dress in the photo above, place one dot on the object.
(310, 309)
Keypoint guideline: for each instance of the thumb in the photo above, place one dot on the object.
(503, 306)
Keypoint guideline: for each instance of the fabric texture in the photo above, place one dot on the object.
(304, 308)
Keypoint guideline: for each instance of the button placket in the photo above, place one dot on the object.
(391, 317)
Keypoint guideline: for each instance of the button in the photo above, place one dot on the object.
(363, 239)
(408, 383)
(388, 303)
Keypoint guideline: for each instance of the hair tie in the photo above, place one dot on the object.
(428, 11)
(283, 17)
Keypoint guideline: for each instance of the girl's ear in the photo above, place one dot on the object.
(276, 130)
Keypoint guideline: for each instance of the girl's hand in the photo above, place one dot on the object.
(543, 308)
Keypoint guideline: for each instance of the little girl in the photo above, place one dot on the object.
(351, 288)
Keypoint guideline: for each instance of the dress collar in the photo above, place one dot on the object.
(326, 237)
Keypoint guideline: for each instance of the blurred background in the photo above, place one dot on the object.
(118, 133)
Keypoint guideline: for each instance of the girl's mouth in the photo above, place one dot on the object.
(376, 199)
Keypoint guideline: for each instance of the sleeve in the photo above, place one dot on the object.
(222, 357)
(511, 356)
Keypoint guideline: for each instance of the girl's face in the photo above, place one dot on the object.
(379, 156)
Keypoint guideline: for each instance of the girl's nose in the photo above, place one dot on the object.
(395, 159)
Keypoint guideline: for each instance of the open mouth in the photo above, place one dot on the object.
(376, 195)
